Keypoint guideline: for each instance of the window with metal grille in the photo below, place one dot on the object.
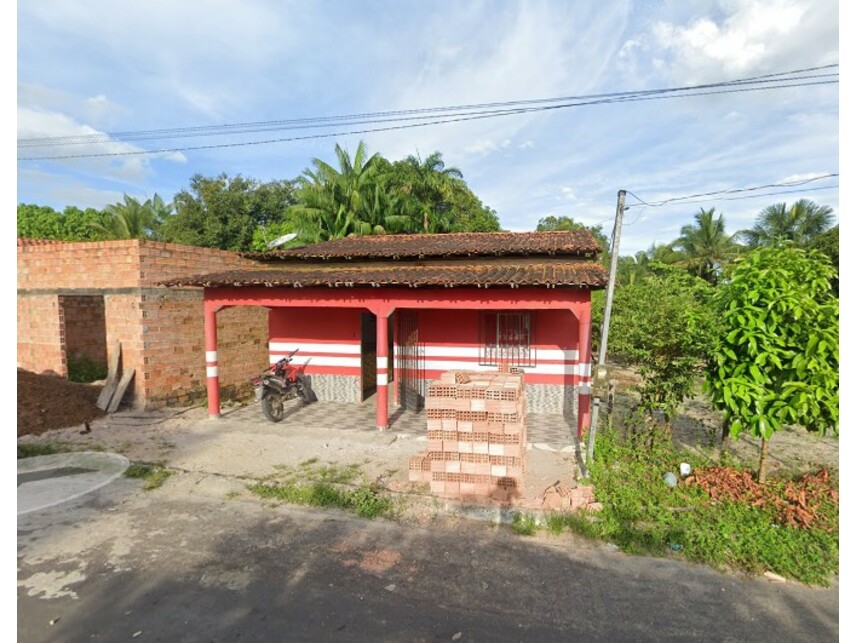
(507, 338)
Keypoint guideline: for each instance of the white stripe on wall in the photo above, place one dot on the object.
(320, 360)
(210, 356)
(541, 369)
(305, 347)
(211, 371)
(472, 352)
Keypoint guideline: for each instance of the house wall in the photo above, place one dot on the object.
(451, 340)
(329, 343)
(160, 329)
(328, 340)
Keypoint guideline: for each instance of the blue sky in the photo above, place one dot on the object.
(88, 67)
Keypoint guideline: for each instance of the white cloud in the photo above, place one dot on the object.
(757, 36)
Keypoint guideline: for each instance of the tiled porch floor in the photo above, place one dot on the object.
(553, 431)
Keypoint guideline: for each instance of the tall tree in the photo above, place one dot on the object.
(131, 219)
(705, 245)
(776, 361)
(426, 181)
(800, 223)
(223, 212)
(336, 202)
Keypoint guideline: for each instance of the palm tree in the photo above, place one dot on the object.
(800, 223)
(424, 183)
(332, 202)
(131, 219)
(705, 245)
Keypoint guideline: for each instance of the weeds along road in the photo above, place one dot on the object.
(190, 561)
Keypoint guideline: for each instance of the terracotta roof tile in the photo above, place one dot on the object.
(576, 243)
(506, 274)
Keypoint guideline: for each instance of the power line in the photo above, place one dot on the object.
(658, 204)
(320, 121)
(757, 196)
(437, 121)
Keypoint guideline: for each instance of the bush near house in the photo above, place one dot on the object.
(718, 516)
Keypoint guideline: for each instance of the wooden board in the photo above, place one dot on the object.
(112, 379)
(120, 391)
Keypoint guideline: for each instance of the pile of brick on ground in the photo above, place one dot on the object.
(477, 436)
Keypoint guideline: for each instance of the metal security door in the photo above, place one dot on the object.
(410, 361)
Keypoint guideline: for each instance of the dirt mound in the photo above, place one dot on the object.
(48, 402)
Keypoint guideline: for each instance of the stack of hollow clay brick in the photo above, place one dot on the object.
(477, 436)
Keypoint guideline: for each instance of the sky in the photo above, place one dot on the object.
(91, 67)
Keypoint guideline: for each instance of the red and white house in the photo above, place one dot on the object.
(384, 315)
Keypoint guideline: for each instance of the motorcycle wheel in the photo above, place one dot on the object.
(272, 406)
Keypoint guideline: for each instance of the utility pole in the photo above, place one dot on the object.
(600, 370)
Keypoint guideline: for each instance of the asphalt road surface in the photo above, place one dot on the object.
(194, 561)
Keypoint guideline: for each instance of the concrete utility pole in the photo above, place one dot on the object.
(600, 370)
(611, 281)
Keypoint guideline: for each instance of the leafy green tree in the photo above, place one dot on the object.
(664, 324)
(567, 223)
(223, 212)
(72, 224)
(800, 223)
(705, 245)
(827, 243)
(776, 361)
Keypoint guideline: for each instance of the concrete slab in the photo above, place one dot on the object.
(49, 480)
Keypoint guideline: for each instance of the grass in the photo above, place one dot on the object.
(336, 486)
(33, 450)
(642, 515)
(153, 475)
(524, 525)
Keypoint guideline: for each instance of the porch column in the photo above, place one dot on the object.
(381, 322)
(584, 348)
(212, 381)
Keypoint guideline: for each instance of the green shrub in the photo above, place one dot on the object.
(644, 515)
(83, 369)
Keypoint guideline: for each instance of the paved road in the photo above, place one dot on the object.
(193, 562)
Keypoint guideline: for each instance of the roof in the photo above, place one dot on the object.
(508, 274)
(574, 243)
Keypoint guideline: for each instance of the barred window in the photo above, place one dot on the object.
(506, 339)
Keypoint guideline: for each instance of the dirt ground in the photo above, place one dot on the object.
(47, 402)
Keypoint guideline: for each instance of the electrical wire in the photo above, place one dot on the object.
(442, 120)
(756, 188)
(385, 116)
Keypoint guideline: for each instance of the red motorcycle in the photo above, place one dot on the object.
(280, 383)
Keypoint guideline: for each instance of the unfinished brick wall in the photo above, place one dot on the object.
(85, 331)
(59, 265)
(40, 337)
(174, 347)
(160, 329)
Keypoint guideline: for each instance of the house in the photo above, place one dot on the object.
(384, 315)
(78, 299)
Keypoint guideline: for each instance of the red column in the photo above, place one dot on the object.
(584, 389)
(382, 318)
(212, 381)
